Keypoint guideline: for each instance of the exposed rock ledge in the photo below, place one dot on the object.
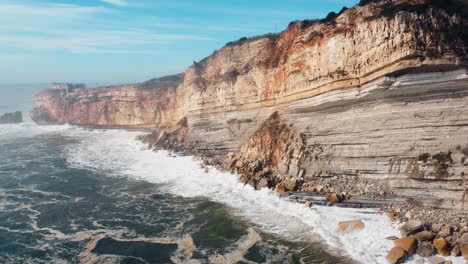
(372, 102)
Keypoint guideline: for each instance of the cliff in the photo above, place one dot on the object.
(372, 100)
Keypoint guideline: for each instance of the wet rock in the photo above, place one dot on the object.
(351, 225)
(442, 246)
(280, 188)
(262, 183)
(423, 236)
(391, 238)
(410, 227)
(409, 244)
(396, 255)
(436, 260)
(426, 249)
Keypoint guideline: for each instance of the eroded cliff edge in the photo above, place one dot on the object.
(374, 99)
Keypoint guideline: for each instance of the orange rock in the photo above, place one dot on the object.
(352, 225)
(396, 255)
(442, 246)
(409, 244)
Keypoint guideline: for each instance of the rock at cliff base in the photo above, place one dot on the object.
(11, 118)
(464, 251)
(351, 225)
(410, 227)
(280, 188)
(409, 244)
(426, 249)
(442, 246)
(436, 260)
(423, 235)
(396, 255)
(262, 183)
(333, 198)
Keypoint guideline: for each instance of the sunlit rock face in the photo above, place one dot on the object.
(378, 92)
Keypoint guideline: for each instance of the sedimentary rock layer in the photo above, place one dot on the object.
(378, 92)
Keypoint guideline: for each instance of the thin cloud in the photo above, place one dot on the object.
(116, 2)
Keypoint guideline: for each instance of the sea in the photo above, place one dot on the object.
(76, 195)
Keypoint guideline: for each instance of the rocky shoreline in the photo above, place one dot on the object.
(424, 231)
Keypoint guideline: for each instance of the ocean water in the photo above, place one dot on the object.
(74, 195)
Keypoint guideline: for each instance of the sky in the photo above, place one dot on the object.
(128, 41)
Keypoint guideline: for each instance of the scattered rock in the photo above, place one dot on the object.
(423, 236)
(442, 246)
(426, 249)
(409, 244)
(396, 255)
(410, 227)
(352, 225)
(436, 260)
(308, 204)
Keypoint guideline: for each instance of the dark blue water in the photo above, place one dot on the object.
(54, 209)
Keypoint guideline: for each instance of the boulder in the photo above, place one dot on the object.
(280, 188)
(426, 249)
(308, 204)
(444, 232)
(409, 244)
(448, 262)
(464, 251)
(262, 183)
(317, 188)
(436, 260)
(410, 227)
(455, 251)
(396, 255)
(349, 226)
(333, 198)
(424, 236)
(442, 246)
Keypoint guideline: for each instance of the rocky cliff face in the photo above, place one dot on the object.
(376, 95)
